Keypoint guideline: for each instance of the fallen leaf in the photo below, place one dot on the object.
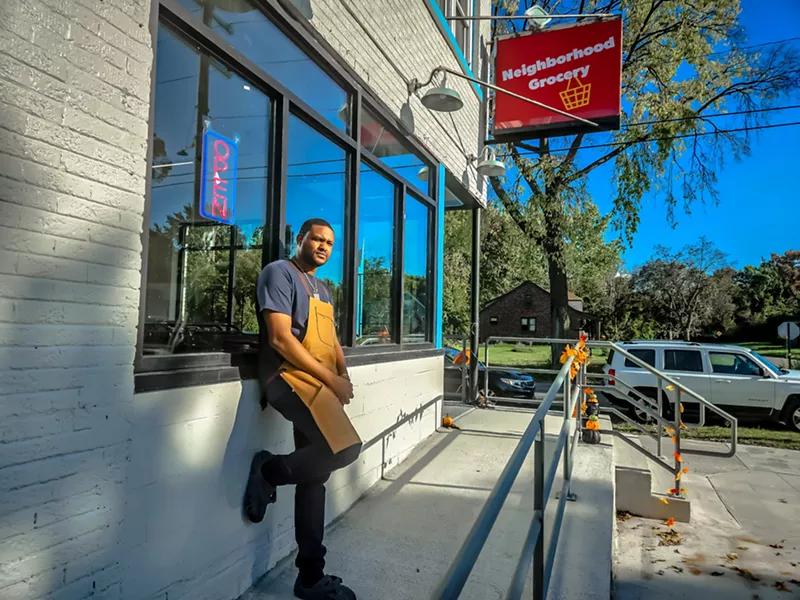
(778, 545)
(670, 538)
(658, 560)
(782, 501)
(695, 571)
(778, 554)
(793, 564)
(717, 573)
(659, 572)
(733, 556)
(676, 569)
(670, 522)
(745, 573)
(677, 551)
(623, 515)
(781, 587)
(664, 500)
(787, 573)
(684, 491)
(742, 548)
(685, 470)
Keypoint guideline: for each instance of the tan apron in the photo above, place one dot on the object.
(320, 341)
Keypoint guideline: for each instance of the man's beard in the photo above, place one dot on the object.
(310, 257)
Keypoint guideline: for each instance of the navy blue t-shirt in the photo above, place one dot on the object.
(280, 289)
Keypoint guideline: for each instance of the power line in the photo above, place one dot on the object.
(671, 137)
(713, 116)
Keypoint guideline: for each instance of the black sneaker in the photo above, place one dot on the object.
(258, 493)
(327, 588)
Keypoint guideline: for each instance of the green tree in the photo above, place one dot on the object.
(683, 289)
(666, 143)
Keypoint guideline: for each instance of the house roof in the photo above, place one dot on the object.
(570, 296)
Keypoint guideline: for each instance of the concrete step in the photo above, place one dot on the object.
(641, 484)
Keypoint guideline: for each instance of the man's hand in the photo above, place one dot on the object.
(343, 389)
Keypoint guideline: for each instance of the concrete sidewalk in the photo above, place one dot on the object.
(745, 516)
(399, 541)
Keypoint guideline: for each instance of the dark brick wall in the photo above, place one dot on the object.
(513, 307)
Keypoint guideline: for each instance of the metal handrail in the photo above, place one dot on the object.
(533, 549)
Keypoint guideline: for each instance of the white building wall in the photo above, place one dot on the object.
(185, 536)
(74, 105)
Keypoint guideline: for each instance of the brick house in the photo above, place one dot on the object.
(525, 312)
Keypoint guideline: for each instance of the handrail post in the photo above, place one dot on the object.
(464, 368)
(486, 371)
(567, 415)
(678, 421)
(660, 412)
(538, 508)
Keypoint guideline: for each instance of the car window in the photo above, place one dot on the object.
(690, 361)
(647, 355)
(733, 364)
(610, 359)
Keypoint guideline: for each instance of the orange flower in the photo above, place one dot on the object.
(685, 470)
(575, 411)
(670, 388)
(684, 490)
(665, 501)
(678, 457)
(670, 522)
(681, 408)
(674, 440)
(677, 476)
(588, 391)
(670, 431)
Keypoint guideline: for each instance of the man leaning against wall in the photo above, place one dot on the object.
(304, 377)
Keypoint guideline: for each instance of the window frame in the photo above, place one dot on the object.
(285, 103)
(702, 370)
(629, 364)
(739, 355)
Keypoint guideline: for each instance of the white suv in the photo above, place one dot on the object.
(736, 379)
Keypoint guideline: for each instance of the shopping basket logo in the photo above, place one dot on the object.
(576, 96)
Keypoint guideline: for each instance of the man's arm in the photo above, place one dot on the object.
(341, 365)
(281, 338)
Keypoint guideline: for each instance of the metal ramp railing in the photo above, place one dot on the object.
(533, 551)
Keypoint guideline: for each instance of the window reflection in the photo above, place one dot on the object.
(382, 143)
(248, 30)
(200, 273)
(416, 272)
(374, 304)
(315, 188)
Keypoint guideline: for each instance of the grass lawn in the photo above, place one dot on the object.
(529, 356)
(772, 437)
(768, 349)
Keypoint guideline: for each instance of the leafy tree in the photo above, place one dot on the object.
(769, 289)
(667, 144)
(680, 288)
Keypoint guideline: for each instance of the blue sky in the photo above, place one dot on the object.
(759, 198)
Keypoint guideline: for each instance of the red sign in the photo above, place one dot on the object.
(574, 68)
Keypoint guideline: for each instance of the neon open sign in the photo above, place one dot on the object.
(218, 190)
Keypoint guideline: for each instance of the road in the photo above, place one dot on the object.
(742, 542)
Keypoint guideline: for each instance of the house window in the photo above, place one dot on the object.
(462, 29)
(493, 320)
(528, 324)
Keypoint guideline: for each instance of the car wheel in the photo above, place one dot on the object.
(793, 416)
(640, 416)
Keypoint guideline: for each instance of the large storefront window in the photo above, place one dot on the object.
(239, 165)
(385, 145)
(248, 30)
(315, 188)
(416, 272)
(376, 234)
(201, 271)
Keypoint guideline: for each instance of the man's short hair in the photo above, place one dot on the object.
(306, 227)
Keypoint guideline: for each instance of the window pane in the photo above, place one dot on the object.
(376, 259)
(190, 258)
(381, 142)
(734, 364)
(648, 356)
(416, 272)
(248, 30)
(683, 360)
(315, 188)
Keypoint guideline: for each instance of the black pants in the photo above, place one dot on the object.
(308, 468)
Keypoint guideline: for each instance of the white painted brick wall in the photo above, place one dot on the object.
(189, 466)
(74, 95)
(408, 36)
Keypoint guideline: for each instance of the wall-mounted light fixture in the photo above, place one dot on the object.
(488, 165)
